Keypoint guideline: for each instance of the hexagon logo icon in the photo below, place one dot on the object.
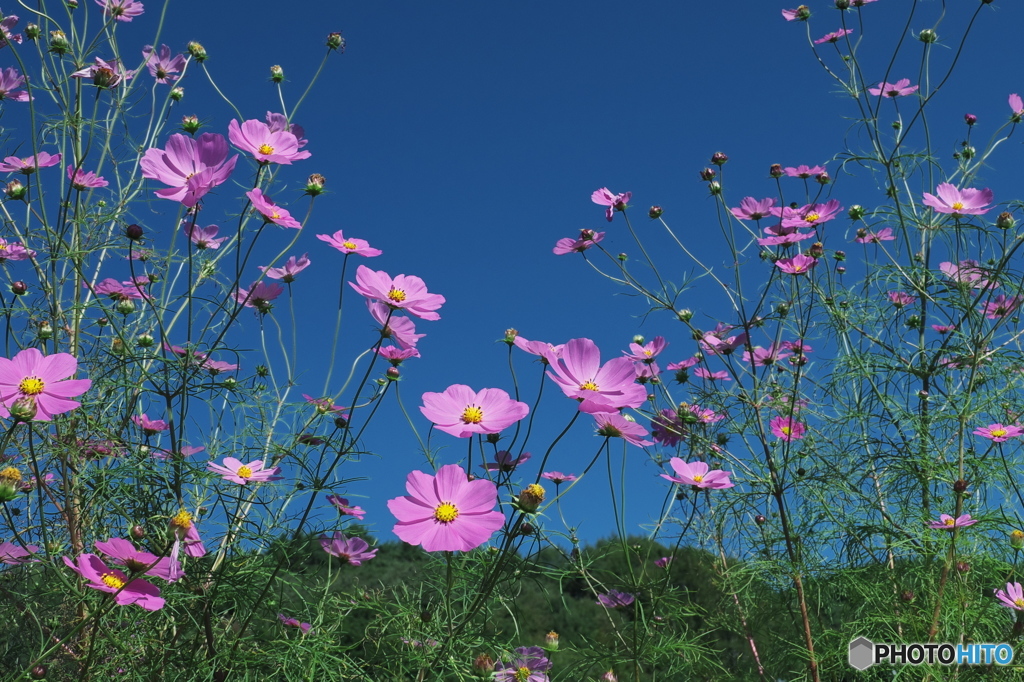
(862, 653)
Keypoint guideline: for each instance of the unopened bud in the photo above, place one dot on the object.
(125, 306)
(133, 232)
(970, 119)
(907, 596)
(492, 438)
(484, 664)
(776, 170)
(137, 532)
(38, 672)
(23, 409)
(623, 257)
(510, 336)
(823, 178)
(340, 422)
(19, 288)
(927, 36)
(392, 373)
(276, 74)
(530, 498)
(230, 383)
(45, 331)
(177, 92)
(262, 371)
(609, 676)
(639, 339)
(32, 31)
(856, 212)
(960, 485)
(15, 190)
(963, 567)
(58, 42)
(197, 51)
(315, 184)
(527, 529)
(715, 188)
(1005, 221)
(145, 340)
(817, 250)
(708, 174)
(1017, 539)
(551, 641)
(760, 519)
(336, 42)
(190, 124)
(719, 159)
(655, 212)
(842, 4)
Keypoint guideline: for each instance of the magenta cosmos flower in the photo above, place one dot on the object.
(505, 462)
(293, 623)
(968, 271)
(797, 265)
(557, 477)
(29, 164)
(462, 412)
(947, 522)
(161, 65)
(266, 145)
(183, 526)
(663, 562)
(191, 167)
(614, 599)
(957, 202)
(809, 215)
(803, 171)
(407, 292)
(124, 553)
(233, 470)
(568, 245)
(8, 23)
(900, 88)
(150, 427)
(801, 13)
(446, 512)
(350, 550)
(122, 10)
(12, 554)
(614, 202)
(360, 247)
(105, 74)
(203, 237)
(44, 379)
(752, 209)
(259, 296)
(100, 577)
(998, 433)
(614, 425)
(286, 273)
(834, 37)
(344, 509)
(529, 665)
(883, 235)
(600, 388)
(787, 428)
(1016, 108)
(9, 80)
(401, 329)
(697, 474)
(1013, 597)
(271, 212)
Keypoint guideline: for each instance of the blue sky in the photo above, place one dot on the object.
(464, 139)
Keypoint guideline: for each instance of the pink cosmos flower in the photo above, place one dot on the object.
(809, 215)
(586, 239)
(191, 167)
(182, 452)
(344, 509)
(803, 171)
(236, 472)
(203, 237)
(505, 462)
(12, 554)
(557, 477)
(122, 10)
(396, 356)
(407, 292)
(663, 562)
(8, 23)
(943, 328)
(614, 425)
(529, 665)
(350, 550)
(9, 80)
(161, 65)
(614, 599)
(29, 164)
(697, 474)
(400, 329)
(150, 427)
(782, 235)
(84, 180)
(947, 522)
(713, 344)
(287, 272)
(801, 13)
(259, 296)
(360, 247)
(541, 348)
(124, 553)
(14, 251)
(186, 533)
(900, 88)
(1016, 108)
(956, 202)
(294, 623)
(323, 405)
(271, 212)
(752, 209)
(764, 357)
(216, 367)
(462, 412)
(446, 512)
(614, 202)
(43, 378)
(702, 373)
(968, 272)
(797, 265)
(787, 428)
(648, 351)
(1013, 597)
(100, 577)
(998, 433)
(883, 235)
(105, 74)
(579, 373)
(834, 36)
(266, 145)
(279, 123)
(683, 364)
(1000, 306)
(901, 299)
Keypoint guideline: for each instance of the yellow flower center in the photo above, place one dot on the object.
(275, 215)
(244, 472)
(698, 478)
(811, 217)
(349, 245)
(536, 491)
(446, 512)
(3, 247)
(998, 433)
(112, 581)
(1019, 603)
(266, 149)
(957, 205)
(797, 268)
(31, 386)
(182, 520)
(472, 415)
(1017, 534)
(787, 430)
(588, 386)
(949, 522)
(11, 475)
(647, 352)
(396, 295)
(522, 674)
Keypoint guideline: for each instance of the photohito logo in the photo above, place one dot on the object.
(864, 653)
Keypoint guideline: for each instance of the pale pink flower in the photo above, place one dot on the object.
(801, 13)
(42, 378)
(150, 427)
(900, 88)
(947, 522)
(1016, 108)
(124, 553)
(407, 292)
(341, 503)
(614, 202)
(702, 373)
(541, 348)
(100, 577)
(586, 239)
(557, 477)
(266, 145)
(600, 388)
(803, 171)
(764, 357)
(462, 412)
(957, 202)
(698, 474)
(1000, 306)
(203, 237)
(614, 425)
(8, 23)
(259, 296)
(663, 562)
(192, 167)
(9, 80)
(400, 329)
(352, 551)
(105, 74)
(13, 251)
(834, 36)
(360, 247)
(1013, 597)
(968, 272)
(233, 470)
(809, 215)
(901, 299)
(648, 351)
(29, 164)
(122, 10)
(271, 212)
(998, 433)
(287, 272)
(161, 65)
(12, 554)
(797, 265)
(186, 534)
(787, 428)
(752, 209)
(395, 355)
(782, 235)
(883, 235)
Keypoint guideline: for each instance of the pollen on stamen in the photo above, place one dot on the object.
(472, 415)
(244, 472)
(588, 386)
(697, 478)
(112, 581)
(31, 386)
(396, 295)
(998, 433)
(182, 519)
(811, 218)
(787, 430)
(950, 522)
(349, 245)
(266, 149)
(957, 205)
(446, 512)
(1019, 602)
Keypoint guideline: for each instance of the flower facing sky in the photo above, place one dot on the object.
(407, 292)
(797, 265)
(233, 470)
(900, 88)
(462, 412)
(600, 388)
(1013, 597)
(190, 166)
(286, 273)
(124, 553)
(271, 212)
(9, 80)
(44, 379)
(99, 576)
(266, 145)
(947, 522)
(161, 65)
(342, 505)
(959, 202)
(698, 474)
(998, 433)
(352, 551)
(614, 202)
(360, 247)
(447, 511)
(787, 428)
(29, 164)
(834, 36)
(529, 665)
(122, 10)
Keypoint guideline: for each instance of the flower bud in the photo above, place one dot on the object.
(340, 422)
(19, 288)
(190, 124)
(841, 269)
(823, 178)
(623, 257)
(510, 336)
(551, 641)
(230, 383)
(315, 184)
(32, 31)
(58, 42)
(484, 664)
(760, 519)
(927, 36)
(907, 596)
(970, 119)
(1017, 539)
(145, 340)
(8, 493)
(177, 92)
(492, 438)
(963, 567)
(1005, 221)
(639, 339)
(392, 373)
(960, 485)
(527, 529)
(715, 188)
(530, 498)
(197, 51)
(708, 174)
(72, 4)
(336, 42)
(15, 190)
(45, 331)
(817, 250)
(803, 13)
(38, 672)
(719, 159)
(262, 371)
(655, 212)
(23, 409)
(133, 232)
(609, 676)
(103, 322)
(776, 170)
(105, 78)
(842, 4)
(125, 306)
(856, 212)
(276, 74)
